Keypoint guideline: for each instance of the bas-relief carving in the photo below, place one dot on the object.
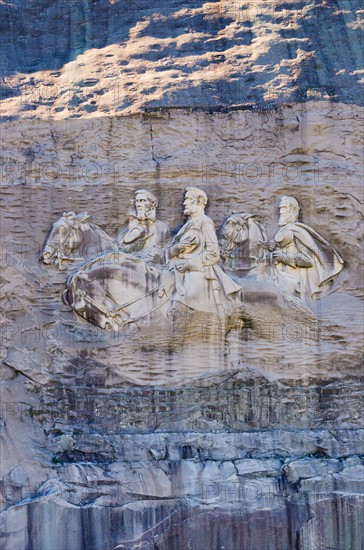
(74, 238)
(202, 301)
(117, 289)
(200, 283)
(297, 260)
(143, 270)
(145, 235)
(120, 288)
(304, 263)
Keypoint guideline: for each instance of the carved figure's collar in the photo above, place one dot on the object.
(196, 217)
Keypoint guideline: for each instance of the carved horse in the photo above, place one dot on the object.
(74, 239)
(116, 289)
(243, 244)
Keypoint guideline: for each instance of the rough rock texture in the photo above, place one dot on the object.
(88, 58)
(216, 439)
(244, 161)
(127, 443)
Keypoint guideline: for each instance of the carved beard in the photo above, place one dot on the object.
(287, 217)
(144, 214)
(141, 214)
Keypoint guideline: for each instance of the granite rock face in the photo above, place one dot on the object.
(125, 442)
(91, 58)
(188, 434)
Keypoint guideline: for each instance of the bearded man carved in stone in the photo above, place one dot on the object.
(144, 236)
(200, 282)
(305, 264)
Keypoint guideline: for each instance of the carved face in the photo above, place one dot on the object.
(192, 205)
(287, 214)
(143, 206)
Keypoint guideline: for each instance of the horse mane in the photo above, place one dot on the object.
(103, 238)
(260, 226)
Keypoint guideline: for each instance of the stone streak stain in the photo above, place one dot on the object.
(194, 434)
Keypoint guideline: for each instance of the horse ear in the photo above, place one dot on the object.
(242, 215)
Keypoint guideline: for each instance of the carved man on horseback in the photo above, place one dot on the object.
(145, 235)
(306, 265)
(200, 283)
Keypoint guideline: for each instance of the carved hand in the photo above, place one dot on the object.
(281, 256)
(271, 245)
(278, 256)
(181, 266)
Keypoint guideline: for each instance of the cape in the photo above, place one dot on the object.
(327, 262)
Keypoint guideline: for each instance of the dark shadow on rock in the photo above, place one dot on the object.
(46, 35)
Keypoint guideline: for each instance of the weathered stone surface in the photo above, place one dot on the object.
(189, 434)
(88, 59)
(241, 176)
(148, 446)
(302, 469)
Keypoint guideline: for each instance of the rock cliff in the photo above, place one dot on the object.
(86, 58)
(188, 435)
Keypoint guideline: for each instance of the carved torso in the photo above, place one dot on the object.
(145, 238)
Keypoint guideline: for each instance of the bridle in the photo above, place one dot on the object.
(63, 239)
(116, 312)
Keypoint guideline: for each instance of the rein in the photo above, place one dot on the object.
(59, 247)
(114, 312)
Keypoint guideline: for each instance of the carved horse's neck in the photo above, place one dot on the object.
(257, 239)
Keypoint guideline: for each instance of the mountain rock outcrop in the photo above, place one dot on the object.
(186, 433)
(87, 58)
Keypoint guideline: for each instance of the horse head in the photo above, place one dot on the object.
(65, 238)
(243, 239)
